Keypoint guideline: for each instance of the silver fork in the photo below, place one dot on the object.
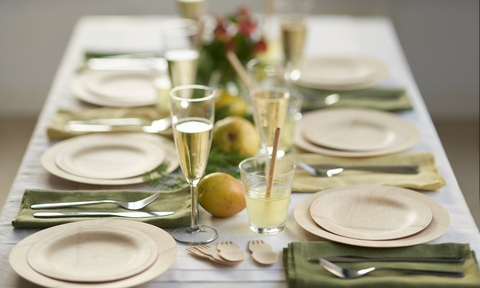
(351, 274)
(335, 171)
(127, 205)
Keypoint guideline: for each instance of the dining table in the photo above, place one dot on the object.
(327, 35)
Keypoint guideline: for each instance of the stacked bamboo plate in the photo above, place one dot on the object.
(372, 216)
(95, 253)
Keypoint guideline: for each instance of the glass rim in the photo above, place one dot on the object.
(255, 61)
(178, 23)
(265, 176)
(276, 89)
(200, 87)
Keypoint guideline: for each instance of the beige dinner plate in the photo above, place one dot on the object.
(370, 214)
(439, 224)
(48, 157)
(107, 158)
(121, 85)
(406, 135)
(166, 245)
(356, 129)
(82, 92)
(342, 72)
(93, 254)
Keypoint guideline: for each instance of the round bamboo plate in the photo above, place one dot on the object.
(48, 157)
(370, 214)
(167, 252)
(93, 254)
(438, 226)
(410, 138)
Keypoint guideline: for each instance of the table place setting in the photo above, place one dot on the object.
(266, 196)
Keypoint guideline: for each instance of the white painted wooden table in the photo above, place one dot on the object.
(339, 35)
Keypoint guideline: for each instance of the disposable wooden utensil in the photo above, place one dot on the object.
(214, 253)
(202, 253)
(237, 66)
(230, 251)
(273, 161)
(262, 252)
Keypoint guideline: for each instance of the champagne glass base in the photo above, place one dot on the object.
(202, 235)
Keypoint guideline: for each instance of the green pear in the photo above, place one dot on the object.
(236, 133)
(221, 194)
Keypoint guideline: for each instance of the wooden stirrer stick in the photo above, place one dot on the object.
(272, 162)
(232, 57)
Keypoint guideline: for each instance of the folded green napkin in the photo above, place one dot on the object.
(428, 179)
(372, 98)
(177, 201)
(56, 128)
(301, 273)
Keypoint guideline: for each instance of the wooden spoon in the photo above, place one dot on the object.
(262, 252)
(230, 251)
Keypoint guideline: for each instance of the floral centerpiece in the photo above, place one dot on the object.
(238, 33)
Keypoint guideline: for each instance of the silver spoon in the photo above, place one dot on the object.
(127, 205)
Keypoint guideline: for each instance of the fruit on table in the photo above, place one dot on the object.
(221, 194)
(234, 105)
(235, 133)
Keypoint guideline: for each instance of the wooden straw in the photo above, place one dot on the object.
(232, 57)
(272, 162)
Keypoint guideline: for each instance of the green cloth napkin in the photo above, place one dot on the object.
(373, 98)
(177, 201)
(301, 273)
(56, 128)
(428, 179)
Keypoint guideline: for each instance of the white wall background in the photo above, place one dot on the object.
(440, 39)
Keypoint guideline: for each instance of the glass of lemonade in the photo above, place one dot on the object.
(192, 122)
(267, 213)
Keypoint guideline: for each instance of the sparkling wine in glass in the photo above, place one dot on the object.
(269, 111)
(192, 111)
(192, 9)
(294, 30)
(180, 42)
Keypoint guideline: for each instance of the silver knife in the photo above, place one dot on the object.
(353, 259)
(380, 168)
(121, 214)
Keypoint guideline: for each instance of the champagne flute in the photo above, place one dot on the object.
(294, 28)
(192, 110)
(269, 111)
(192, 9)
(180, 39)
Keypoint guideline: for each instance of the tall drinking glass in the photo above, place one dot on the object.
(180, 38)
(269, 111)
(192, 121)
(192, 9)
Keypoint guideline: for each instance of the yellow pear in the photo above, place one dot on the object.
(235, 133)
(221, 194)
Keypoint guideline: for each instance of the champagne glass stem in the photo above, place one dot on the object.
(194, 196)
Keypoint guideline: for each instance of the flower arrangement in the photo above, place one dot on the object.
(239, 33)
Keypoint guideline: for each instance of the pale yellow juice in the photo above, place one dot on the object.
(268, 212)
